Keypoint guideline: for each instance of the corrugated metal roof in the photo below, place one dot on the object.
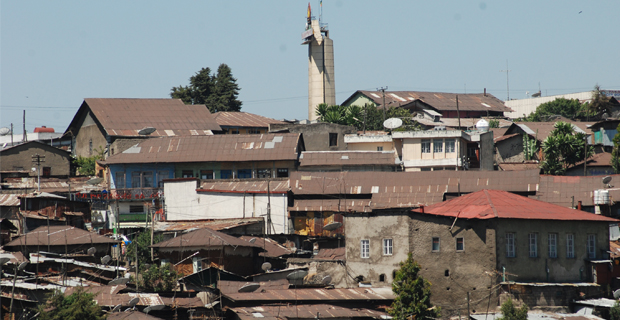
(364, 294)
(78, 184)
(59, 235)
(541, 130)
(454, 122)
(323, 311)
(202, 238)
(218, 224)
(9, 200)
(336, 254)
(347, 158)
(274, 249)
(277, 185)
(439, 100)
(130, 315)
(489, 204)
(336, 205)
(125, 117)
(234, 148)
(518, 166)
(234, 286)
(567, 191)
(244, 119)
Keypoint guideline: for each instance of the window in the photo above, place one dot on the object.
(379, 148)
(253, 130)
(147, 179)
(437, 145)
(161, 176)
(426, 146)
(206, 174)
(553, 245)
(450, 146)
(136, 209)
(187, 173)
(570, 245)
(234, 131)
(533, 245)
(226, 174)
(382, 278)
(197, 264)
(591, 246)
(264, 173)
(387, 247)
(119, 182)
(244, 173)
(47, 171)
(365, 248)
(135, 179)
(510, 245)
(333, 139)
(282, 172)
(460, 244)
(435, 247)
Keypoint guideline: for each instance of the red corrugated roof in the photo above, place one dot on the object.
(489, 204)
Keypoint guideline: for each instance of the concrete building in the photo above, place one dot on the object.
(18, 160)
(319, 136)
(371, 141)
(524, 107)
(321, 81)
(433, 149)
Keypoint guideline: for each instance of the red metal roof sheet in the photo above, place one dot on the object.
(244, 119)
(218, 148)
(489, 204)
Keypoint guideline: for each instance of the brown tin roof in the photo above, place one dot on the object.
(203, 238)
(305, 311)
(217, 224)
(277, 185)
(519, 166)
(244, 119)
(336, 254)
(347, 158)
(352, 294)
(125, 117)
(249, 147)
(567, 191)
(59, 235)
(274, 249)
(233, 286)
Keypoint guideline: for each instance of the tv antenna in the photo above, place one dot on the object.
(507, 86)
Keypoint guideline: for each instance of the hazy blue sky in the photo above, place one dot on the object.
(56, 53)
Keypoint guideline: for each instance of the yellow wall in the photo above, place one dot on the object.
(370, 146)
(412, 150)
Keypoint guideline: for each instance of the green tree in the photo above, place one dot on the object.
(510, 312)
(493, 123)
(529, 147)
(615, 153)
(218, 92)
(142, 241)
(413, 294)
(86, 165)
(614, 312)
(368, 117)
(568, 108)
(79, 305)
(563, 148)
(159, 278)
(599, 103)
(344, 115)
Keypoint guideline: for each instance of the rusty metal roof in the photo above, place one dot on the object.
(336, 254)
(228, 147)
(439, 100)
(364, 294)
(234, 286)
(519, 166)
(336, 205)
(567, 191)
(125, 117)
(97, 289)
(541, 130)
(347, 158)
(202, 238)
(490, 204)
(59, 235)
(217, 224)
(274, 249)
(323, 311)
(50, 185)
(454, 122)
(602, 159)
(614, 249)
(130, 315)
(277, 185)
(9, 200)
(244, 119)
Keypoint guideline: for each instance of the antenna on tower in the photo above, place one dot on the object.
(507, 86)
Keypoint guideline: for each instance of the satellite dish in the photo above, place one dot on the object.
(617, 294)
(332, 226)
(4, 131)
(252, 240)
(91, 251)
(116, 308)
(211, 305)
(392, 123)
(607, 180)
(266, 266)
(22, 266)
(146, 131)
(297, 275)
(106, 259)
(133, 302)
(118, 281)
(4, 260)
(326, 279)
(249, 287)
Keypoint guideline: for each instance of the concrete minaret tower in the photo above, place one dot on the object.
(321, 82)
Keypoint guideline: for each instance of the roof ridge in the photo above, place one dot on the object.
(486, 192)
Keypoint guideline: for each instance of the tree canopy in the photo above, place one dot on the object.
(615, 153)
(79, 305)
(158, 278)
(510, 312)
(568, 108)
(563, 148)
(218, 92)
(368, 117)
(413, 294)
(142, 241)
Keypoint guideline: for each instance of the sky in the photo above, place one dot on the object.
(53, 54)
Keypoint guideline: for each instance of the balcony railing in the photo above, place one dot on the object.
(137, 193)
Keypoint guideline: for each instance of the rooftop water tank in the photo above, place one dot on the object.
(482, 125)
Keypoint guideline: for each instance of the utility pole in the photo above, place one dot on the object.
(507, 87)
(37, 159)
(382, 89)
(585, 155)
(24, 138)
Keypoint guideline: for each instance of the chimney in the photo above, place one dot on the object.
(578, 205)
(485, 92)
(421, 208)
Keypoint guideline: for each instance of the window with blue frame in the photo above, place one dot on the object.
(244, 173)
(225, 174)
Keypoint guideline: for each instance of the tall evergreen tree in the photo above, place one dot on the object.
(218, 92)
(413, 294)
